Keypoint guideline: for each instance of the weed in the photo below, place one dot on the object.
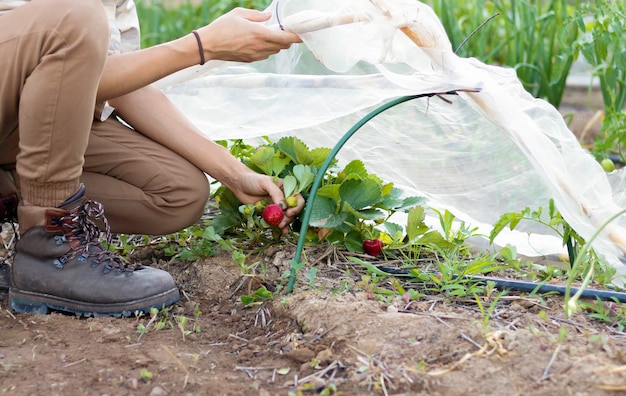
(181, 322)
(258, 297)
(612, 313)
(159, 320)
(145, 375)
(487, 314)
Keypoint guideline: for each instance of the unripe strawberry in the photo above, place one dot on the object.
(273, 214)
(291, 202)
(259, 206)
(608, 165)
(373, 247)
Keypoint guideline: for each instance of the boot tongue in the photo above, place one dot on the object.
(75, 200)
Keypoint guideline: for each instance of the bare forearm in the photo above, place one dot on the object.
(151, 113)
(236, 36)
(127, 72)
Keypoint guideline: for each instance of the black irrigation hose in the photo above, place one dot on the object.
(594, 294)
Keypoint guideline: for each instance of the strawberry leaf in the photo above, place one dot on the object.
(323, 214)
(295, 149)
(329, 191)
(263, 158)
(304, 175)
(318, 156)
(415, 223)
(289, 185)
(356, 167)
(360, 194)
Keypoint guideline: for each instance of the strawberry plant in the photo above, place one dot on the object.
(348, 206)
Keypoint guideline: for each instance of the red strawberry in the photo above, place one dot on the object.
(273, 214)
(373, 247)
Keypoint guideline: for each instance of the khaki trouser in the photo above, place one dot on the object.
(51, 56)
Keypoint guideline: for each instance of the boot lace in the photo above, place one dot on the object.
(83, 235)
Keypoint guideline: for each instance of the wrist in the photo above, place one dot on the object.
(200, 47)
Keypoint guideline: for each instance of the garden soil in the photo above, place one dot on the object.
(336, 336)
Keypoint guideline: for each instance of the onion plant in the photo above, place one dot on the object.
(533, 36)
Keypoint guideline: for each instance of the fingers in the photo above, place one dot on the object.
(274, 190)
(274, 35)
(291, 213)
(252, 15)
(241, 36)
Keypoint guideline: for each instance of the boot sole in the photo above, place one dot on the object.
(21, 301)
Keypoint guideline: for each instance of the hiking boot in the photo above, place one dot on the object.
(60, 264)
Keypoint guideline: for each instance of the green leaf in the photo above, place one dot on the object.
(356, 167)
(279, 165)
(353, 241)
(434, 239)
(374, 270)
(415, 223)
(369, 266)
(304, 175)
(295, 149)
(289, 185)
(210, 234)
(296, 265)
(318, 156)
(371, 214)
(263, 158)
(224, 221)
(329, 191)
(511, 219)
(395, 230)
(323, 213)
(258, 296)
(387, 189)
(360, 193)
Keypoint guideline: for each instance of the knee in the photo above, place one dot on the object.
(187, 201)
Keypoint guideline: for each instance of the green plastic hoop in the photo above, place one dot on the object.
(295, 264)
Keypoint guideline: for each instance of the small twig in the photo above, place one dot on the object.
(249, 368)
(382, 384)
(546, 371)
(437, 316)
(10, 313)
(468, 339)
(239, 286)
(75, 363)
(239, 338)
(318, 374)
(185, 295)
(180, 364)
(322, 335)
(578, 326)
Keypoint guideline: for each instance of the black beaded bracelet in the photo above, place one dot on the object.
(200, 48)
